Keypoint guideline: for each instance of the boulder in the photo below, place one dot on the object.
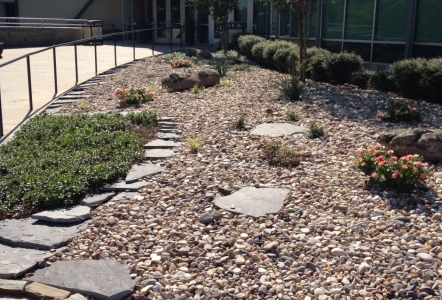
(204, 54)
(427, 143)
(178, 82)
(191, 52)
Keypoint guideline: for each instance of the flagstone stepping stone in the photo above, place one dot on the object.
(29, 233)
(161, 144)
(168, 124)
(97, 199)
(16, 261)
(166, 130)
(100, 279)
(278, 129)
(72, 214)
(12, 287)
(159, 153)
(254, 202)
(121, 196)
(166, 119)
(123, 186)
(42, 291)
(141, 170)
(167, 136)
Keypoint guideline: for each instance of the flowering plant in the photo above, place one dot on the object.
(383, 167)
(398, 111)
(277, 155)
(133, 96)
(180, 63)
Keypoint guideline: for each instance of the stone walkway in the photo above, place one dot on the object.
(27, 244)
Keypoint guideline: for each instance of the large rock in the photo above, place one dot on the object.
(254, 202)
(191, 52)
(178, 81)
(204, 54)
(99, 279)
(16, 261)
(277, 129)
(29, 233)
(72, 214)
(427, 143)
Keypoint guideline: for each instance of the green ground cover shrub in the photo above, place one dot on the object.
(280, 156)
(270, 50)
(246, 43)
(381, 81)
(407, 75)
(287, 59)
(53, 161)
(341, 66)
(258, 51)
(361, 78)
(318, 64)
(431, 83)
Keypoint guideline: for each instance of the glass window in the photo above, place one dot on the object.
(387, 53)
(285, 29)
(362, 49)
(391, 23)
(429, 21)
(333, 19)
(335, 47)
(427, 51)
(240, 13)
(359, 19)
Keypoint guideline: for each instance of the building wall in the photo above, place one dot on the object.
(14, 37)
(109, 11)
(2, 10)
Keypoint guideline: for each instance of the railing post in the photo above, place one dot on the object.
(154, 34)
(28, 64)
(181, 35)
(1, 114)
(55, 71)
(76, 64)
(170, 38)
(95, 50)
(115, 49)
(133, 40)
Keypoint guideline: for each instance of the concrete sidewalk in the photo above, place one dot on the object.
(14, 80)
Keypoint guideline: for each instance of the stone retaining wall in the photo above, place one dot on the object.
(15, 37)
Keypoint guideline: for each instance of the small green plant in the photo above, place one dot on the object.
(133, 96)
(220, 64)
(150, 75)
(401, 111)
(292, 116)
(181, 63)
(241, 67)
(197, 89)
(290, 87)
(389, 171)
(119, 79)
(315, 130)
(194, 143)
(240, 124)
(83, 104)
(277, 155)
(224, 82)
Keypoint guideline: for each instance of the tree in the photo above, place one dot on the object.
(219, 10)
(303, 10)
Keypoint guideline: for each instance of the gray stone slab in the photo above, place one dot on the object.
(278, 129)
(72, 214)
(166, 130)
(123, 186)
(29, 233)
(12, 287)
(99, 279)
(97, 199)
(124, 195)
(158, 144)
(167, 136)
(141, 170)
(166, 119)
(254, 202)
(16, 261)
(159, 153)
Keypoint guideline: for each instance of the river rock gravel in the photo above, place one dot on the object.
(335, 237)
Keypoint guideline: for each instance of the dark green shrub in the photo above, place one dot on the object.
(317, 64)
(53, 161)
(270, 50)
(258, 51)
(381, 81)
(246, 43)
(431, 82)
(286, 59)
(235, 38)
(361, 78)
(407, 75)
(341, 66)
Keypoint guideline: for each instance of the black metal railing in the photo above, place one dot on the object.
(92, 40)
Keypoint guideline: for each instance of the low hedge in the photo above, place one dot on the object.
(317, 64)
(341, 66)
(382, 81)
(53, 161)
(407, 75)
(246, 43)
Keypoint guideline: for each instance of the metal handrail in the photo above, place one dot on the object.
(75, 43)
(41, 22)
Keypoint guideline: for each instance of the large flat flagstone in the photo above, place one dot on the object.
(157, 144)
(16, 261)
(29, 233)
(72, 214)
(139, 171)
(100, 279)
(254, 202)
(277, 129)
(123, 186)
(97, 199)
(166, 136)
(159, 153)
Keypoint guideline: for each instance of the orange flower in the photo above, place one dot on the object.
(374, 175)
(405, 167)
(422, 176)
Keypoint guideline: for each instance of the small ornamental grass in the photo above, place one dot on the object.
(277, 155)
(389, 171)
(292, 116)
(127, 96)
(181, 63)
(194, 143)
(315, 130)
(240, 124)
(401, 111)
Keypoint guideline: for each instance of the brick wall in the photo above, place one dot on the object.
(14, 37)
